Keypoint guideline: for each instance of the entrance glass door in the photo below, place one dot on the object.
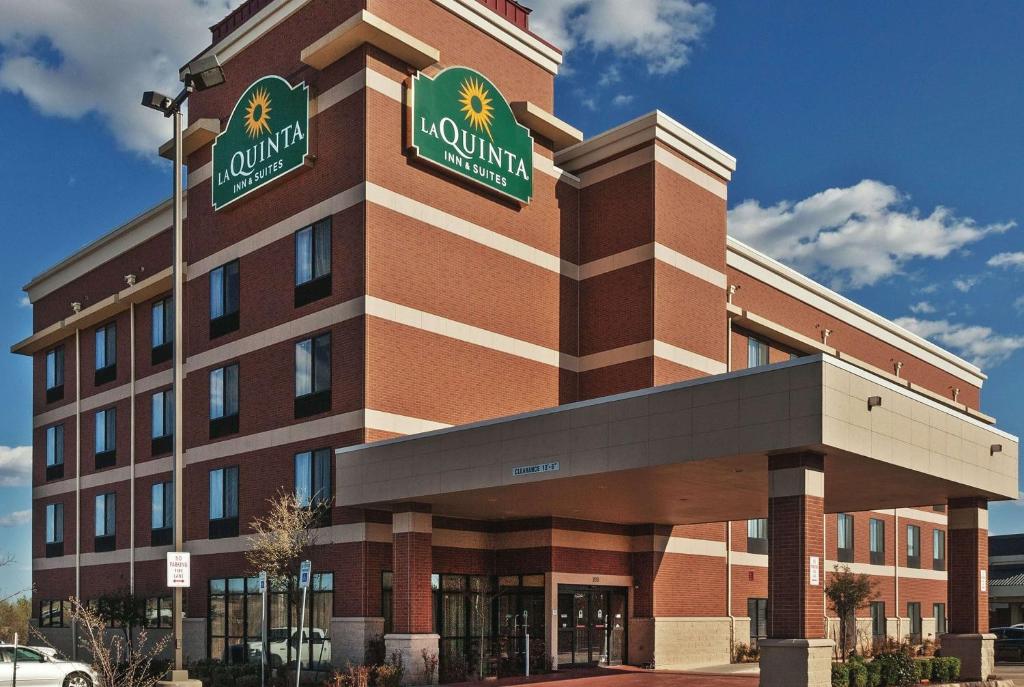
(591, 626)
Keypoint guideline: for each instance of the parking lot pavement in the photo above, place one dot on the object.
(1011, 671)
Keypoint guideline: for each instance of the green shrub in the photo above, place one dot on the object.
(247, 681)
(840, 675)
(924, 668)
(945, 669)
(897, 669)
(858, 673)
(874, 674)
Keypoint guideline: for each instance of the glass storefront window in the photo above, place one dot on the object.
(235, 613)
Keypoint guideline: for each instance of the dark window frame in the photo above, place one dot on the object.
(939, 615)
(318, 398)
(227, 422)
(55, 391)
(878, 619)
(107, 372)
(914, 561)
(228, 319)
(163, 534)
(757, 611)
(105, 456)
(914, 615)
(877, 557)
(763, 352)
(318, 284)
(162, 443)
(845, 554)
(938, 536)
(163, 350)
(757, 544)
(54, 446)
(225, 524)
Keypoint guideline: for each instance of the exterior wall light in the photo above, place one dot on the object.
(825, 333)
(129, 279)
(898, 365)
(874, 401)
(733, 288)
(76, 307)
(956, 394)
(994, 449)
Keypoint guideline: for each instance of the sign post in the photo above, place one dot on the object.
(305, 573)
(263, 628)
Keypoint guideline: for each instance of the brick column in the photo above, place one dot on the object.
(412, 598)
(796, 653)
(968, 637)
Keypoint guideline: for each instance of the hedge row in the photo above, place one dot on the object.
(894, 669)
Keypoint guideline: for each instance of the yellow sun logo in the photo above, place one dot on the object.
(257, 113)
(476, 104)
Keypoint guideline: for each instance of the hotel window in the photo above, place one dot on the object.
(939, 613)
(913, 546)
(224, 401)
(877, 541)
(234, 608)
(757, 611)
(51, 613)
(162, 430)
(163, 331)
(54, 452)
(224, 502)
(54, 530)
(313, 262)
(757, 352)
(55, 374)
(106, 438)
(161, 522)
(224, 299)
(106, 353)
(106, 519)
(878, 623)
(313, 481)
(313, 376)
(938, 550)
(757, 535)
(845, 537)
(914, 613)
(158, 612)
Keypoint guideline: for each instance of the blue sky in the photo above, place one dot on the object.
(879, 148)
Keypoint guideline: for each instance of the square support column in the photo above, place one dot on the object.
(796, 653)
(412, 597)
(968, 637)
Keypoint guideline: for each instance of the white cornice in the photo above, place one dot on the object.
(755, 264)
(655, 126)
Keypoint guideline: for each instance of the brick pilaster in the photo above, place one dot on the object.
(412, 527)
(796, 521)
(968, 557)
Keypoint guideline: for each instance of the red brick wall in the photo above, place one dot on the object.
(413, 566)
(796, 534)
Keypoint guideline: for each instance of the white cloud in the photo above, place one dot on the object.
(24, 302)
(965, 284)
(71, 58)
(922, 308)
(660, 33)
(980, 345)
(609, 77)
(1007, 260)
(15, 466)
(854, 236)
(622, 99)
(1018, 304)
(18, 517)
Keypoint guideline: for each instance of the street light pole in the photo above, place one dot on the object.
(198, 75)
(178, 296)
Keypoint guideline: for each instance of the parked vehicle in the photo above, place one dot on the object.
(38, 669)
(280, 638)
(1009, 645)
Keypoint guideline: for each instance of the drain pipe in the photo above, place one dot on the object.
(728, 588)
(896, 570)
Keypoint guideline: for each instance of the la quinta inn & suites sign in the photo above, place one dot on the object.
(267, 136)
(461, 123)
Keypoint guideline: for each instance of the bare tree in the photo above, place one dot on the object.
(281, 538)
(112, 660)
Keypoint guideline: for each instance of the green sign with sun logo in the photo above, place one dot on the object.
(267, 136)
(462, 123)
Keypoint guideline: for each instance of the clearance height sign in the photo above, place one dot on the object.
(461, 122)
(267, 136)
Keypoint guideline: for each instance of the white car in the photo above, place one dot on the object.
(38, 669)
(279, 641)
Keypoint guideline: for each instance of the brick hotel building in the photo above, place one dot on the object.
(584, 409)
